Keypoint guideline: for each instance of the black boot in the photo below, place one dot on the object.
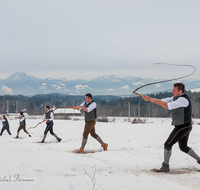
(164, 168)
(59, 139)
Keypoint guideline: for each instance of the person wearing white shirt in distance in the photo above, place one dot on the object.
(48, 118)
(5, 125)
(22, 125)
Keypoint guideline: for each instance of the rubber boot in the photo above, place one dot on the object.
(17, 135)
(43, 138)
(58, 139)
(164, 168)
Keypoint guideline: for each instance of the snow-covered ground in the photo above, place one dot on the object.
(133, 151)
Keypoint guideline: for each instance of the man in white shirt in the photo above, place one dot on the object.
(5, 125)
(89, 108)
(181, 110)
(48, 118)
(22, 125)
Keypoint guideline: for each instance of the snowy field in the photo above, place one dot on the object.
(133, 151)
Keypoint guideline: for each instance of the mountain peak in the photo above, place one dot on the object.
(18, 76)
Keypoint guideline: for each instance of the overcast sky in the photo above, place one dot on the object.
(89, 38)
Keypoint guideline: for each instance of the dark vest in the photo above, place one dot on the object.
(47, 115)
(182, 115)
(5, 123)
(89, 116)
(23, 122)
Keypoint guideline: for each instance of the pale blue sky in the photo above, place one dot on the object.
(88, 38)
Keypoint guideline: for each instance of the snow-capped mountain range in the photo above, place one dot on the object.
(21, 83)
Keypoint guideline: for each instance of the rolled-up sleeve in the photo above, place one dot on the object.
(2, 120)
(167, 99)
(21, 119)
(82, 105)
(92, 106)
(51, 116)
(180, 102)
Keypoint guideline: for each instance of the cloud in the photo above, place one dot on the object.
(7, 90)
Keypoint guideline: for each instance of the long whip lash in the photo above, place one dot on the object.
(166, 80)
(51, 110)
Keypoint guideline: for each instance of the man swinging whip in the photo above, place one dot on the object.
(89, 108)
(181, 109)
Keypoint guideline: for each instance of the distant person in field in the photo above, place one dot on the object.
(48, 118)
(22, 125)
(181, 110)
(5, 125)
(89, 108)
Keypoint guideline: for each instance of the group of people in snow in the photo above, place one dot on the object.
(179, 104)
(89, 108)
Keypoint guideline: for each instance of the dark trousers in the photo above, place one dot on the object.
(22, 127)
(49, 128)
(5, 128)
(90, 129)
(180, 134)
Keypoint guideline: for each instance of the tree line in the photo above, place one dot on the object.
(107, 105)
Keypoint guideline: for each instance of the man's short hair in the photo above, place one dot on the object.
(89, 95)
(21, 113)
(180, 86)
(47, 107)
(4, 116)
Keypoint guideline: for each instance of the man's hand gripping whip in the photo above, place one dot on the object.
(134, 92)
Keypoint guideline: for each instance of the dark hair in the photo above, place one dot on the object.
(180, 86)
(4, 116)
(21, 113)
(89, 95)
(47, 107)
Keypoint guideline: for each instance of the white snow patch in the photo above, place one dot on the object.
(195, 90)
(44, 88)
(126, 87)
(16, 77)
(111, 89)
(158, 85)
(86, 86)
(7, 90)
(56, 87)
(81, 87)
(137, 83)
(133, 150)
